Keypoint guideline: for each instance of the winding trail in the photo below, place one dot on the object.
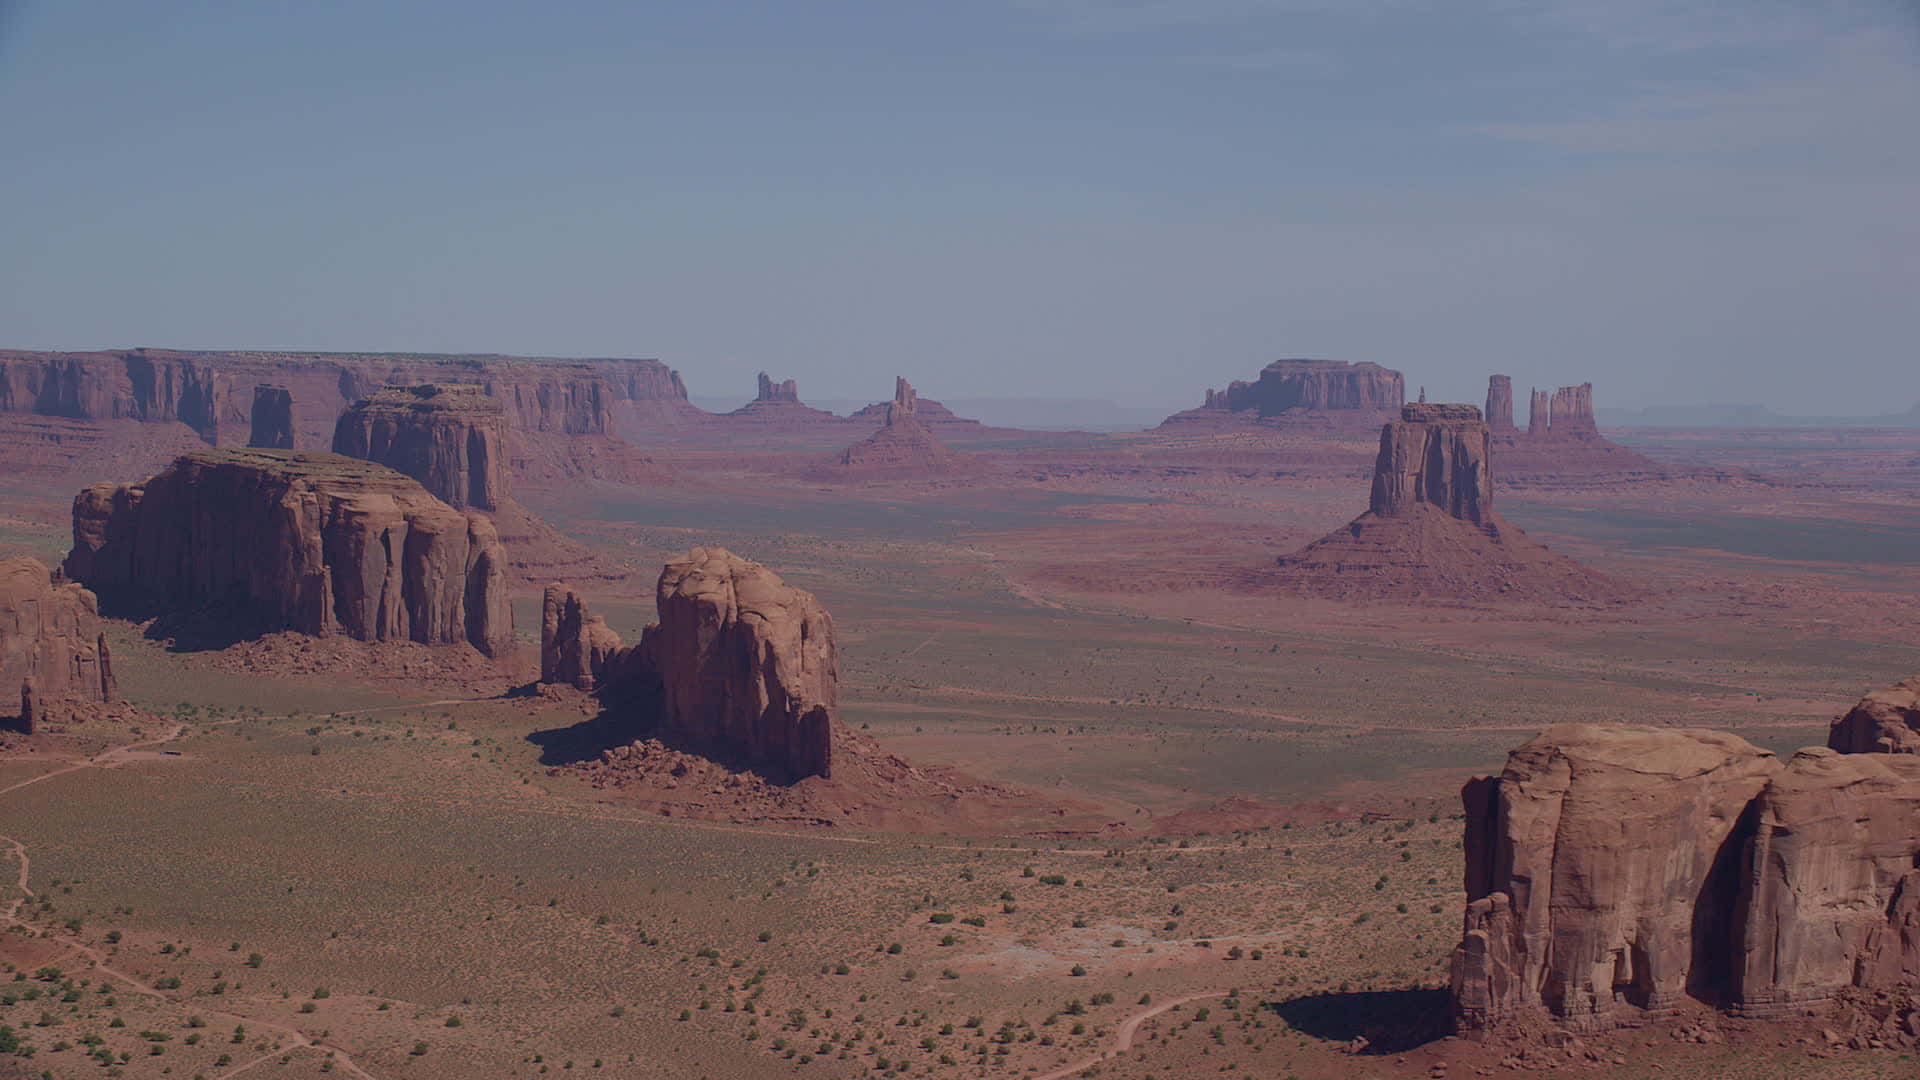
(1123, 1036)
(292, 1038)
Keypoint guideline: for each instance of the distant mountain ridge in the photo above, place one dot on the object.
(1746, 416)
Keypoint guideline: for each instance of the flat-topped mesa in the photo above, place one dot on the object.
(777, 391)
(272, 424)
(1434, 455)
(452, 438)
(1613, 873)
(1886, 721)
(281, 540)
(741, 667)
(1500, 404)
(1318, 391)
(51, 645)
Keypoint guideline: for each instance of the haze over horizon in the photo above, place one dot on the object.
(1683, 202)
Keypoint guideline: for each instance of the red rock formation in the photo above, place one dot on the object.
(773, 391)
(741, 666)
(1613, 873)
(136, 384)
(51, 645)
(1572, 413)
(1319, 391)
(926, 410)
(1436, 455)
(453, 439)
(1537, 422)
(272, 420)
(778, 406)
(904, 448)
(1884, 722)
(1431, 531)
(315, 543)
(1500, 403)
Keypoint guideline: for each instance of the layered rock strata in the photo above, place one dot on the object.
(904, 447)
(1435, 456)
(778, 404)
(453, 439)
(741, 666)
(52, 648)
(1562, 442)
(1500, 403)
(271, 425)
(315, 543)
(1615, 873)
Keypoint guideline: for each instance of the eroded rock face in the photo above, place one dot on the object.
(577, 648)
(1612, 872)
(741, 667)
(315, 543)
(1572, 413)
(453, 439)
(1436, 455)
(272, 424)
(51, 645)
(137, 384)
(777, 391)
(904, 446)
(1590, 862)
(1537, 421)
(1884, 722)
(1500, 402)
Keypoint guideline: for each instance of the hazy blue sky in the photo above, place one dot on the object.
(1695, 201)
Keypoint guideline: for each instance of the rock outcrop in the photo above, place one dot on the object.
(51, 645)
(272, 423)
(280, 540)
(1430, 529)
(453, 439)
(925, 409)
(1614, 873)
(903, 448)
(777, 406)
(741, 667)
(777, 391)
(1572, 413)
(136, 384)
(1884, 722)
(1318, 392)
(1500, 403)
(1562, 443)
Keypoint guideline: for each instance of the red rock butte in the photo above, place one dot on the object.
(1430, 529)
(1615, 873)
(450, 438)
(1321, 392)
(1562, 441)
(903, 448)
(778, 404)
(51, 645)
(741, 667)
(315, 543)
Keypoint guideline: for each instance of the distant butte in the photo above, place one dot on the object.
(778, 404)
(1562, 442)
(1315, 393)
(1430, 529)
(904, 447)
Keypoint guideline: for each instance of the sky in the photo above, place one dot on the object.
(1681, 201)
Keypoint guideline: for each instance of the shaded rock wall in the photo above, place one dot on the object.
(271, 426)
(137, 384)
(453, 439)
(315, 543)
(1884, 722)
(1500, 403)
(1537, 421)
(52, 649)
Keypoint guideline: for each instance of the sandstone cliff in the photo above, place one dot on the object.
(52, 650)
(137, 384)
(1884, 722)
(1430, 529)
(453, 439)
(1613, 873)
(272, 423)
(315, 543)
(741, 667)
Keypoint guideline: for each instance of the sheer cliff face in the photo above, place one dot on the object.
(450, 438)
(1500, 403)
(741, 667)
(52, 649)
(138, 384)
(1318, 385)
(315, 543)
(272, 423)
(1436, 455)
(1615, 872)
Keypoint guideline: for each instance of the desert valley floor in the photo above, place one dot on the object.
(1170, 820)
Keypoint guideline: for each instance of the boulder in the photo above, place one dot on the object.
(315, 543)
(453, 439)
(51, 644)
(272, 424)
(1884, 722)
